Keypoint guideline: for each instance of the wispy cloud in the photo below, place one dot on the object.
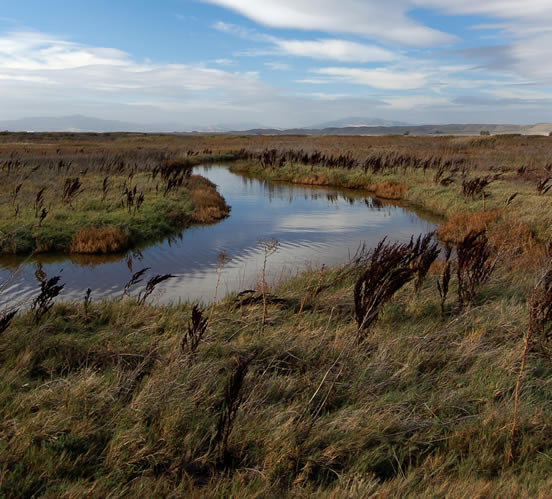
(382, 78)
(278, 66)
(322, 48)
(367, 18)
(337, 50)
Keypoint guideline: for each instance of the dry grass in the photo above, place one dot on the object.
(390, 189)
(208, 205)
(456, 228)
(103, 401)
(93, 240)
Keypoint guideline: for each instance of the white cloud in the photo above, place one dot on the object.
(328, 49)
(278, 66)
(326, 96)
(407, 102)
(338, 50)
(367, 18)
(378, 78)
(503, 9)
(525, 26)
(37, 57)
(223, 62)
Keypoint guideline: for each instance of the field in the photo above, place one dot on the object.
(410, 370)
(99, 201)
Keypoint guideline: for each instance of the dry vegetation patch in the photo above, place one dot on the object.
(390, 189)
(457, 227)
(445, 392)
(104, 240)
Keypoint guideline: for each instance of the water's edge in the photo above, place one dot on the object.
(314, 226)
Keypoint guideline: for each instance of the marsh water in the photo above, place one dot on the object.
(314, 226)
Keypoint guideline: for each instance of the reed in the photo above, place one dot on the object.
(269, 247)
(197, 326)
(444, 280)
(49, 290)
(475, 265)
(229, 406)
(94, 240)
(537, 336)
(390, 266)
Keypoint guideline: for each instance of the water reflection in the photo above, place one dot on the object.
(314, 226)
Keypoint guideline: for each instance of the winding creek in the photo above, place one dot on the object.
(314, 226)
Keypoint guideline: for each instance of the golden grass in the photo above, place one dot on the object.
(390, 189)
(209, 205)
(91, 240)
(459, 226)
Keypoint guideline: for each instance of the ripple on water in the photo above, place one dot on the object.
(314, 226)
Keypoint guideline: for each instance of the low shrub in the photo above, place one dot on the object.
(99, 240)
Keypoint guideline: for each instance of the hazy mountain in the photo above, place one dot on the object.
(79, 123)
(356, 121)
(355, 126)
(450, 129)
(76, 123)
(228, 127)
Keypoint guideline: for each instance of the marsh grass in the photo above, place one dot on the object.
(390, 266)
(92, 240)
(101, 402)
(102, 405)
(100, 202)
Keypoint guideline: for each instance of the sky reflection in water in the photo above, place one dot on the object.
(314, 226)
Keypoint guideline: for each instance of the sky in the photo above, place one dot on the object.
(277, 63)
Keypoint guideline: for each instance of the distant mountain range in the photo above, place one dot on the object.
(79, 123)
(451, 129)
(346, 126)
(358, 122)
(76, 123)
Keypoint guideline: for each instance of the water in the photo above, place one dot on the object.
(314, 226)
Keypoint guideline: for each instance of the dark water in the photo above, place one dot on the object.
(314, 226)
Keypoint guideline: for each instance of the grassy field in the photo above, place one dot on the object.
(99, 201)
(300, 389)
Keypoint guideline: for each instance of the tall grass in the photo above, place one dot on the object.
(122, 398)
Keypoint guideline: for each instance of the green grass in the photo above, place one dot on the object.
(22, 231)
(528, 207)
(109, 403)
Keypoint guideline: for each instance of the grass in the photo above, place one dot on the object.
(121, 398)
(99, 203)
(109, 402)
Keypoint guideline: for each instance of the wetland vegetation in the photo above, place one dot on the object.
(408, 370)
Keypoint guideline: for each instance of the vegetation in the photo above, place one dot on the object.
(100, 202)
(402, 372)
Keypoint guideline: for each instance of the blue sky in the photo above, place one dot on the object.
(284, 63)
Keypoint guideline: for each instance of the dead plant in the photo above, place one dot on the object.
(444, 280)
(390, 266)
(222, 258)
(49, 290)
(135, 279)
(270, 246)
(196, 330)
(71, 190)
(475, 264)
(6, 318)
(231, 402)
(151, 285)
(92, 240)
(537, 335)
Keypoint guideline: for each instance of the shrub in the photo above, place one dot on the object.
(99, 240)
(459, 226)
(390, 266)
(474, 265)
